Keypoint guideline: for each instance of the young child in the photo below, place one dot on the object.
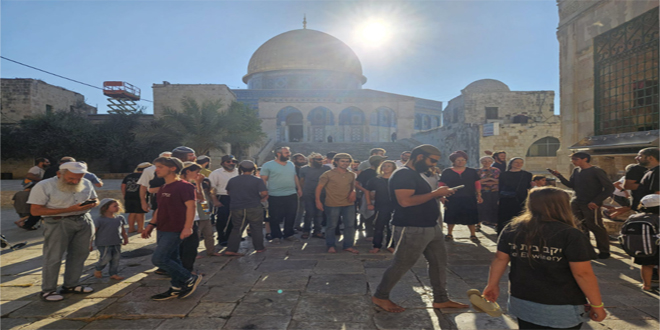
(109, 234)
(538, 181)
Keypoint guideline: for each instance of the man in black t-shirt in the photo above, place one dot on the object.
(416, 214)
(634, 175)
(648, 158)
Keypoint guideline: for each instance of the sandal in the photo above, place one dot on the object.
(77, 289)
(474, 239)
(449, 238)
(51, 296)
(477, 227)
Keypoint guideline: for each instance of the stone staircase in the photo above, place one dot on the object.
(359, 151)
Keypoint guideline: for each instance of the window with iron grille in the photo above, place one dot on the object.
(491, 113)
(545, 147)
(626, 77)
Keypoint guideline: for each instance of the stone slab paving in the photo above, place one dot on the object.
(293, 285)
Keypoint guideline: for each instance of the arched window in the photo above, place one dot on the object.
(418, 121)
(436, 121)
(545, 147)
(385, 117)
(321, 116)
(351, 116)
(427, 122)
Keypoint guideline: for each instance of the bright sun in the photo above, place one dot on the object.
(375, 32)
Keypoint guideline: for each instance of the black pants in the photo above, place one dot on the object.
(524, 325)
(382, 224)
(222, 224)
(282, 209)
(188, 249)
(31, 221)
(509, 208)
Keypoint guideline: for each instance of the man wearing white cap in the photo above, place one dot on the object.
(64, 203)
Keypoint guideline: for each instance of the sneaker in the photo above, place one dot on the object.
(292, 239)
(190, 286)
(171, 293)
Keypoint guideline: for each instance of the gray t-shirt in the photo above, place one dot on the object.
(311, 176)
(244, 191)
(46, 193)
(108, 230)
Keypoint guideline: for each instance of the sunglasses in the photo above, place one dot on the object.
(433, 160)
(232, 161)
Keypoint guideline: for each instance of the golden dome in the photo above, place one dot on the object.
(304, 49)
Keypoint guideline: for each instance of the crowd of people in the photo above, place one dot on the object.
(543, 232)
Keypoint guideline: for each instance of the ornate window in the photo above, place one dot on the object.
(626, 76)
(545, 147)
(351, 116)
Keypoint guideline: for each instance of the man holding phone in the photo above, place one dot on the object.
(64, 203)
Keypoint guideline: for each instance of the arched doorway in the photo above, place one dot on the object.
(289, 125)
(382, 124)
(352, 123)
(319, 119)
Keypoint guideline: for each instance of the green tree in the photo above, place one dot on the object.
(243, 128)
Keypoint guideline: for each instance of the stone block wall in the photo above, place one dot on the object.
(168, 95)
(22, 98)
(537, 105)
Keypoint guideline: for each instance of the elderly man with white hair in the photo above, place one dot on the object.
(64, 203)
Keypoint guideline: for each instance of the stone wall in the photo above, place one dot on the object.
(538, 106)
(168, 95)
(22, 98)
(451, 138)
(581, 21)
(17, 167)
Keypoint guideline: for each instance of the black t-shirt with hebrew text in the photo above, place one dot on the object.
(423, 215)
(544, 276)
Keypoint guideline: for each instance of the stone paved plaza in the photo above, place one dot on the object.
(290, 286)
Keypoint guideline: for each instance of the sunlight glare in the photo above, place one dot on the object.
(375, 32)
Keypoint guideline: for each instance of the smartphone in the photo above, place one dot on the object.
(87, 202)
(457, 187)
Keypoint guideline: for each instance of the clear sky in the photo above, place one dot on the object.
(426, 49)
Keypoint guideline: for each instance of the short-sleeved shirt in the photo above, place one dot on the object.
(311, 176)
(423, 215)
(337, 186)
(245, 192)
(546, 278)
(489, 173)
(38, 171)
(649, 183)
(219, 179)
(108, 230)
(46, 193)
(172, 208)
(382, 200)
(636, 173)
(147, 175)
(132, 186)
(92, 177)
(364, 165)
(501, 167)
(281, 178)
(365, 176)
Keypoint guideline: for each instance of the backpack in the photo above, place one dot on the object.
(639, 235)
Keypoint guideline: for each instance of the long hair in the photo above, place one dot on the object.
(380, 167)
(107, 205)
(543, 205)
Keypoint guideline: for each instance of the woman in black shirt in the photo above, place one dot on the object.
(381, 202)
(550, 277)
(514, 184)
(461, 207)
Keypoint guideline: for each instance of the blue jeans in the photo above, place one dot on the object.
(109, 254)
(347, 214)
(166, 257)
(313, 216)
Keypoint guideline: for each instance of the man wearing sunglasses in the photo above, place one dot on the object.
(417, 225)
(220, 198)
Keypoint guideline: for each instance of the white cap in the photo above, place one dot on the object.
(652, 200)
(74, 167)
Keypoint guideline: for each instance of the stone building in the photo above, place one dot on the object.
(307, 87)
(22, 98)
(488, 116)
(608, 80)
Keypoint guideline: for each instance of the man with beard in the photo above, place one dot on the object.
(64, 203)
(500, 160)
(309, 179)
(299, 161)
(36, 172)
(283, 191)
(416, 214)
(648, 158)
(339, 186)
(220, 197)
(51, 171)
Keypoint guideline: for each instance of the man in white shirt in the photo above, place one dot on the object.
(148, 174)
(220, 197)
(404, 159)
(36, 172)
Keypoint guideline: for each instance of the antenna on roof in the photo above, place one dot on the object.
(304, 21)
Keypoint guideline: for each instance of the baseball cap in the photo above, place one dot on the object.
(375, 159)
(247, 164)
(191, 164)
(74, 167)
(652, 200)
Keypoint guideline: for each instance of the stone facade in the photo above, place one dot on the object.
(580, 22)
(487, 116)
(22, 98)
(168, 95)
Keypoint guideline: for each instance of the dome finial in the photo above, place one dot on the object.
(304, 21)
